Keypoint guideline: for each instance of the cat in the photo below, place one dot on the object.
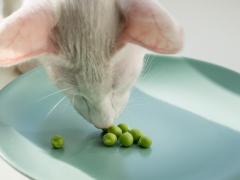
(92, 49)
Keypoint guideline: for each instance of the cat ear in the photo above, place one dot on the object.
(149, 25)
(26, 34)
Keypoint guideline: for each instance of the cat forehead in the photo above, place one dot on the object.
(87, 29)
(86, 33)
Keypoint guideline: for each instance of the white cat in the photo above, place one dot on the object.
(91, 49)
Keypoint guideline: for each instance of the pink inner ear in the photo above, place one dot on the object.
(23, 35)
(152, 27)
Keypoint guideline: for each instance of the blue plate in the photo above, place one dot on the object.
(189, 108)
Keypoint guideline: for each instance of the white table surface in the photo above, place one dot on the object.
(212, 31)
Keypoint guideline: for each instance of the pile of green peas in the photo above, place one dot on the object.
(122, 132)
(125, 135)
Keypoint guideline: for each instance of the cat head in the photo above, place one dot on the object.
(92, 49)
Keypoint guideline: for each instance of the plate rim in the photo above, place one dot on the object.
(26, 174)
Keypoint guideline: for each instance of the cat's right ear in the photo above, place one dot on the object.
(27, 33)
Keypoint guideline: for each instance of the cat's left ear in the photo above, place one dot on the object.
(26, 34)
(149, 25)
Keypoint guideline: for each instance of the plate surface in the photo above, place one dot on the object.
(189, 108)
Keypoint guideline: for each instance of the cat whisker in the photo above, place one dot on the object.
(147, 63)
(146, 72)
(55, 83)
(65, 85)
(132, 90)
(53, 94)
(152, 78)
(73, 100)
(134, 93)
(39, 72)
(135, 99)
(145, 69)
(142, 73)
(67, 104)
(138, 105)
(56, 106)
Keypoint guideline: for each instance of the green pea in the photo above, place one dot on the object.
(115, 130)
(109, 139)
(126, 139)
(105, 130)
(124, 127)
(136, 133)
(57, 141)
(145, 141)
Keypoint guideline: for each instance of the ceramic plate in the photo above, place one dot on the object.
(190, 109)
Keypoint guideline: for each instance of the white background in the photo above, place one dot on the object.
(212, 30)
